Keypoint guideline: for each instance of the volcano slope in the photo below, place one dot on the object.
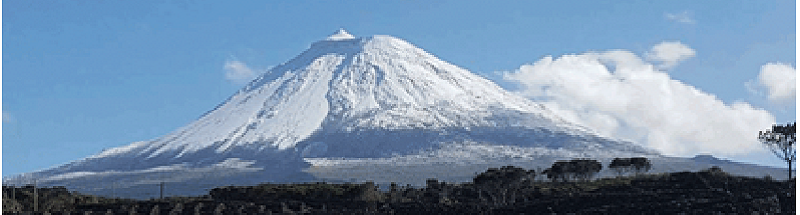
(347, 109)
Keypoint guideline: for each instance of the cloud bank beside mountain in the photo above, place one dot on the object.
(619, 94)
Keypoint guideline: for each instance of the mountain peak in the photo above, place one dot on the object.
(344, 84)
(341, 34)
(373, 99)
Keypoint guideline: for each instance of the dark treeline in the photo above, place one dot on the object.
(624, 165)
(506, 190)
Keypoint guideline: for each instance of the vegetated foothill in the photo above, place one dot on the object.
(497, 191)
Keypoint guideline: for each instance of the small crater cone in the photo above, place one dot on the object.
(341, 34)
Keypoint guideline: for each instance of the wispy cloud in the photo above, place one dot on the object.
(684, 17)
(238, 72)
(618, 94)
(669, 54)
(779, 82)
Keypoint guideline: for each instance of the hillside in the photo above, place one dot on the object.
(508, 190)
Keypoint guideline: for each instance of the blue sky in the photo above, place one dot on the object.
(83, 76)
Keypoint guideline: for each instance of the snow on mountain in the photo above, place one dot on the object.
(343, 84)
(347, 102)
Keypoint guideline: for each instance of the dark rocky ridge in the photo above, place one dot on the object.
(508, 190)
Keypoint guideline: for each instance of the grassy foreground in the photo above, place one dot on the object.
(508, 190)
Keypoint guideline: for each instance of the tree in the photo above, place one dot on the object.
(640, 164)
(636, 164)
(620, 165)
(585, 169)
(559, 170)
(780, 140)
(582, 169)
(504, 175)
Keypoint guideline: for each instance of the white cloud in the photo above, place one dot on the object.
(238, 72)
(780, 82)
(618, 94)
(669, 54)
(684, 17)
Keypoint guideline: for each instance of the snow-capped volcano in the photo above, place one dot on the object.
(344, 85)
(374, 100)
